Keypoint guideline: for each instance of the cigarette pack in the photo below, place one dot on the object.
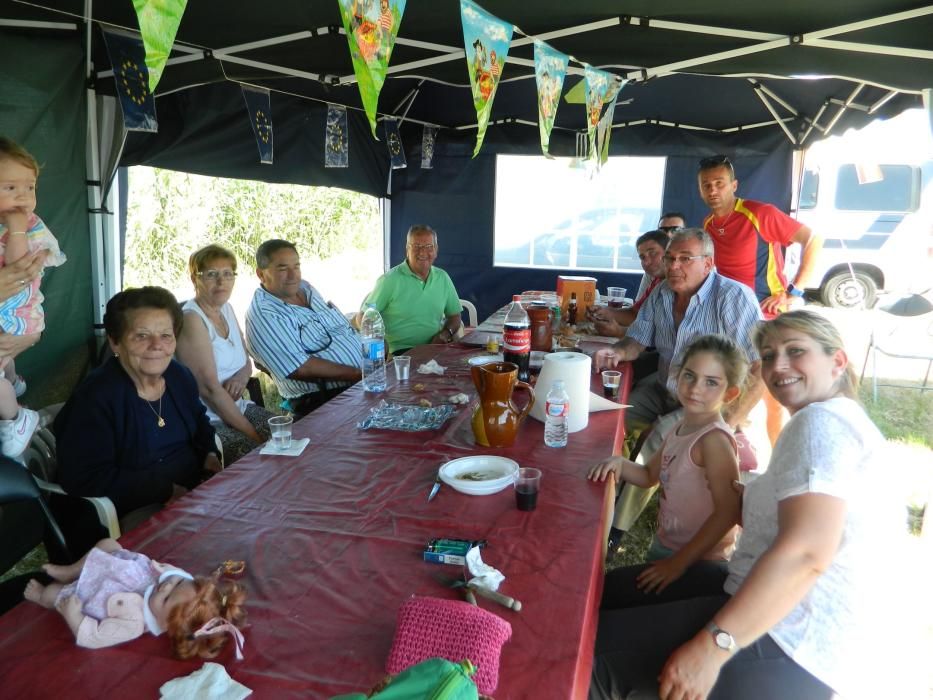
(449, 551)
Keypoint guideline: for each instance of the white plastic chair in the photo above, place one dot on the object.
(471, 312)
(908, 338)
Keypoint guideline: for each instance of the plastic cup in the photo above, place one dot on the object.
(281, 429)
(616, 297)
(402, 367)
(612, 379)
(527, 485)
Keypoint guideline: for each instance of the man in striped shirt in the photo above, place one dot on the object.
(305, 343)
(693, 300)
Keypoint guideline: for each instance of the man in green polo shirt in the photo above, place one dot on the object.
(418, 302)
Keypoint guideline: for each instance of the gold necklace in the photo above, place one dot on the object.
(158, 414)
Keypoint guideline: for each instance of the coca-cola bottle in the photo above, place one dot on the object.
(516, 338)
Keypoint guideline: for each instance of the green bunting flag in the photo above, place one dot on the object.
(486, 40)
(550, 71)
(158, 24)
(601, 88)
(371, 28)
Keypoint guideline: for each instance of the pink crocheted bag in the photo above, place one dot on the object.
(453, 630)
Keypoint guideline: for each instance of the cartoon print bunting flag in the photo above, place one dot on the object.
(158, 24)
(394, 144)
(486, 40)
(601, 87)
(128, 59)
(550, 71)
(259, 106)
(604, 133)
(371, 27)
(428, 139)
(336, 138)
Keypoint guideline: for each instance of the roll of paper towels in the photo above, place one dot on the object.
(574, 369)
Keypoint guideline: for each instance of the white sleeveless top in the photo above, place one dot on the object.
(229, 353)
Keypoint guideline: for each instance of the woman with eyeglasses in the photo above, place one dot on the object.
(211, 346)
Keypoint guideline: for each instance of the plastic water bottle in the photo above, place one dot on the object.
(373, 331)
(516, 337)
(556, 412)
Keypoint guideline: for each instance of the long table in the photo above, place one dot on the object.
(332, 542)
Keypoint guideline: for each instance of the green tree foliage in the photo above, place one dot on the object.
(172, 214)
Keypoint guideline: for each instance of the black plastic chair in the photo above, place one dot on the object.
(16, 485)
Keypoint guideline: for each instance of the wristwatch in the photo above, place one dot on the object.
(793, 291)
(723, 639)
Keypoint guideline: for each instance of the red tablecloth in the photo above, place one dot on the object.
(333, 543)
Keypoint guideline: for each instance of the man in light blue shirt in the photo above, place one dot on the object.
(306, 343)
(693, 300)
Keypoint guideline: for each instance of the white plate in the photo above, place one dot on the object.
(496, 473)
(484, 359)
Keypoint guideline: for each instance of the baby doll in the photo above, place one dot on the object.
(113, 595)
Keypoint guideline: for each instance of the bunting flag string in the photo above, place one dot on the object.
(428, 139)
(158, 25)
(371, 30)
(336, 138)
(601, 87)
(550, 71)
(259, 107)
(128, 59)
(486, 40)
(394, 144)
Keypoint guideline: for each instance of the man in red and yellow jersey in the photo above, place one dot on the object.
(749, 239)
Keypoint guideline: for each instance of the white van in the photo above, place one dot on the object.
(869, 194)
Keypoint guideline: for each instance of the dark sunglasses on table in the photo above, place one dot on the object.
(716, 162)
(214, 275)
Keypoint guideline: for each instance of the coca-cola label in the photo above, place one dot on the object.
(556, 410)
(516, 339)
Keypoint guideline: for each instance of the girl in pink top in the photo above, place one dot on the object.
(696, 466)
(113, 595)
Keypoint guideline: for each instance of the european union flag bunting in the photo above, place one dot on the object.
(336, 144)
(428, 139)
(394, 144)
(259, 106)
(128, 58)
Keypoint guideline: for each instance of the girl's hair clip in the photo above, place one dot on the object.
(218, 625)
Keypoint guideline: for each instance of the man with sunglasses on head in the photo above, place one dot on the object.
(671, 221)
(304, 342)
(418, 301)
(750, 238)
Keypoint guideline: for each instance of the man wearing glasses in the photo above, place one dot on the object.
(306, 343)
(693, 300)
(418, 301)
(750, 238)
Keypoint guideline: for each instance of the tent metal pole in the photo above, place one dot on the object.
(843, 108)
(882, 102)
(777, 118)
(386, 203)
(867, 24)
(705, 29)
(94, 184)
(871, 48)
(815, 123)
(26, 24)
(636, 76)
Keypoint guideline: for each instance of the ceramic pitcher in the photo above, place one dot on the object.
(496, 418)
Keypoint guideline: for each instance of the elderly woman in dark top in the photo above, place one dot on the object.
(134, 430)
